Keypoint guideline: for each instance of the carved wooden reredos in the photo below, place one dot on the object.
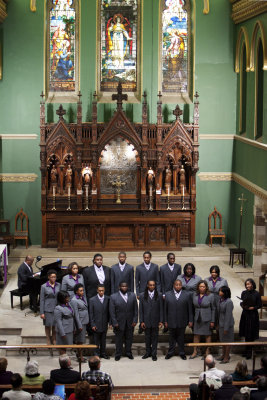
(140, 173)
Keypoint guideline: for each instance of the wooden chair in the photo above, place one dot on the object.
(215, 232)
(21, 222)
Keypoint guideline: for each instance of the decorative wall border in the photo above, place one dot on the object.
(10, 136)
(18, 177)
(229, 176)
(214, 136)
(251, 142)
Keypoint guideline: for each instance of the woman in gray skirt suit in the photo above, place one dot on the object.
(80, 308)
(203, 302)
(215, 281)
(64, 317)
(72, 278)
(48, 302)
(189, 278)
(226, 321)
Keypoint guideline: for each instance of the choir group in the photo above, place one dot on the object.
(91, 299)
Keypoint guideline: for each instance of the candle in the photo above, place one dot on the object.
(168, 190)
(54, 191)
(69, 191)
(86, 191)
(183, 190)
(150, 191)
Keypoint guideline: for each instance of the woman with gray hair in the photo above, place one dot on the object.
(32, 376)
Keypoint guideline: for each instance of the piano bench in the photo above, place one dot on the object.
(20, 293)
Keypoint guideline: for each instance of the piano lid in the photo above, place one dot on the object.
(56, 265)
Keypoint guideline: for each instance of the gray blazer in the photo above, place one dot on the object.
(142, 275)
(64, 318)
(225, 313)
(206, 311)
(191, 285)
(151, 311)
(122, 313)
(167, 277)
(69, 283)
(126, 276)
(178, 313)
(48, 299)
(99, 313)
(80, 309)
(219, 283)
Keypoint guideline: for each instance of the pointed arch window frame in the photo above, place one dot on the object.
(63, 96)
(186, 97)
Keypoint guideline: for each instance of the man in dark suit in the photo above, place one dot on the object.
(151, 318)
(168, 273)
(99, 318)
(25, 272)
(94, 275)
(147, 271)
(65, 374)
(124, 315)
(178, 314)
(122, 272)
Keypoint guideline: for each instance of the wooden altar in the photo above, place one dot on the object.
(118, 185)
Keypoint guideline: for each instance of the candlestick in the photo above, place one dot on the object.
(183, 190)
(68, 209)
(86, 198)
(54, 191)
(168, 190)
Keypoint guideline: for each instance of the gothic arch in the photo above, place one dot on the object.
(242, 36)
(254, 42)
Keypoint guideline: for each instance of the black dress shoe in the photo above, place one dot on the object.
(130, 356)
(117, 358)
(168, 356)
(146, 356)
(105, 356)
(154, 358)
(183, 356)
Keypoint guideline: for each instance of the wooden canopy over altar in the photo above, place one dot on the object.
(118, 185)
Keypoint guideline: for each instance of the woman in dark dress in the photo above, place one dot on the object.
(249, 321)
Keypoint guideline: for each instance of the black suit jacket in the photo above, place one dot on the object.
(99, 313)
(126, 276)
(91, 281)
(167, 277)
(151, 311)
(122, 313)
(24, 273)
(178, 313)
(65, 375)
(142, 275)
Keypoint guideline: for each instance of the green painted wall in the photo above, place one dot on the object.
(23, 80)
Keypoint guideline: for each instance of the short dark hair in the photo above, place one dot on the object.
(190, 265)
(216, 269)
(97, 255)
(147, 252)
(101, 285)
(71, 265)
(77, 287)
(206, 285)
(226, 292)
(48, 386)
(262, 383)
(122, 252)
(252, 282)
(16, 381)
(51, 272)
(3, 364)
(82, 390)
(123, 282)
(61, 296)
(94, 362)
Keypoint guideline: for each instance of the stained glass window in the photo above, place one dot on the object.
(119, 50)
(175, 46)
(62, 43)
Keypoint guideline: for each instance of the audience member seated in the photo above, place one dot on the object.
(213, 378)
(48, 391)
(227, 390)
(242, 395)
(65, 374)
(263, 370)
(5, 376)
(16, 393)
(241, 372)
(94, 374)
(261, 393)
(82, 391)
(32, 376)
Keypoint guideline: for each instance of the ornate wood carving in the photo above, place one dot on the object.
(80, 161)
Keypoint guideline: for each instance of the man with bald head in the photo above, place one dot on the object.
(25, 272)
